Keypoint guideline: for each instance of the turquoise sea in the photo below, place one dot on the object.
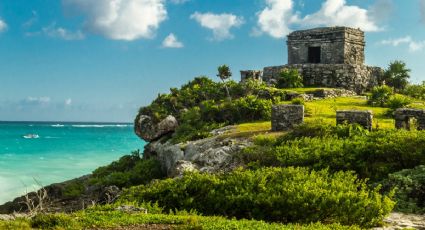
(62, 151)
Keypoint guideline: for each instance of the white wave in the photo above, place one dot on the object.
(98, 126)
(57, 126)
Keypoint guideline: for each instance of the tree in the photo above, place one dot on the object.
(224, 74)
(290, 78)
(397, 75)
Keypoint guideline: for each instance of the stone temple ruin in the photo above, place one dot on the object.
(327, 57)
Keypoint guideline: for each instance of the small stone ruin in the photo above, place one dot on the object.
(410, 118)
(251, 74)
(363, 118)
(285, 117)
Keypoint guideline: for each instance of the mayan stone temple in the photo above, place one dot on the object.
(327, 57)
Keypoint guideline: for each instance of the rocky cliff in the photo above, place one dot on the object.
(213, 154)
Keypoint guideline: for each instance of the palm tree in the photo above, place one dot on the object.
(224, 74)
(397, 75)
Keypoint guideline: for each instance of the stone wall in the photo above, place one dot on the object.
(251, 74)
(285, 117)
(402, 118)
(338, 45)
(357, 78)
(363, 118)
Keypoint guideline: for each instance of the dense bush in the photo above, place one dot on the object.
(397, 101)
(290, 78)
(127, 171)
(410, 189)
(415, 91)
(274, 194)
(197, 122)
(380, 95)
(371, 155)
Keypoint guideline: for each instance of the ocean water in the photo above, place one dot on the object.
(63, 151)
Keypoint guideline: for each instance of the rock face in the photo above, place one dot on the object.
(285, 117)
(146, 129)
(396, 221)
(363, 118)
(210, 155)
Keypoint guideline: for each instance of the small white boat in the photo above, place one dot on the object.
(31, 136)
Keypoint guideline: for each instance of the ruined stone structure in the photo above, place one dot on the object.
(363, 118)
(251, 74)
(328, 57)
(404, 118)
(285, 117)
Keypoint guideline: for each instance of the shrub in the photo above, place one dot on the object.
(73, 190)
(410, 189)
(397, 101)
(380, 95)
(197, 122)
(52, 221)
(273, 194)
(415, 91)
(370, 154)
(127, 171)
(290, 78)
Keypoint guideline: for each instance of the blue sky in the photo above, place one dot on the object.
(100, 60)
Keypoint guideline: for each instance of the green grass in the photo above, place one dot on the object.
(112, 219)
(305, 90)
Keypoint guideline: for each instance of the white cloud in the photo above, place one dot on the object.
(220, 24)
(179, 1)
(412, 44)
(59, 32)
(277, 18)
(338, 13)
(120, 19)
(68, 102)
(171, 41)
(3, 26)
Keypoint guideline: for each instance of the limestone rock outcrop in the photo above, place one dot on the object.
(148, 130)
(213, 154)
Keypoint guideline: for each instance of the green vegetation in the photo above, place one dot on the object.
(370, 154)
(127, 171)
(380, 95)
(107, 218)
(273, 194)
(290, 78)
(415, 91)
(410, 189)
(224, 74)
(397, 75)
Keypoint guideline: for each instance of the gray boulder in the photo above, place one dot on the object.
(149, 131)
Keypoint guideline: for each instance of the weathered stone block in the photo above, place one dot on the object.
(404, 118)
(363, 118)
(285, 117)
